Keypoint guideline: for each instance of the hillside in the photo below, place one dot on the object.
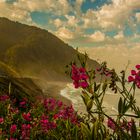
(34, 52)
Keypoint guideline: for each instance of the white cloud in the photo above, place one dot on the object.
(57, 6)
(13, 13)
(72, 20)
(96, 37)
(138, 17)
(57, 22)
(78, 5)
(65, 33)
(113, 15)
(120, 35)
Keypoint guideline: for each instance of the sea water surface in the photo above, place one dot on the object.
(110, 100)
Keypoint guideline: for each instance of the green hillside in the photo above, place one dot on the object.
(35, 52)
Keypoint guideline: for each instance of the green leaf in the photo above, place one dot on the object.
(134, 131)
(85, 98)
(96, 87)
(120, 105)
(89, 104)
(86, 132)
(104, 86)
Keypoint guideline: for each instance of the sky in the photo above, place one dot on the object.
(107, 29)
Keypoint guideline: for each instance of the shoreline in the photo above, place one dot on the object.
(53, 90)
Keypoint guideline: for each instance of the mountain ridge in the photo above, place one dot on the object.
(32, 51)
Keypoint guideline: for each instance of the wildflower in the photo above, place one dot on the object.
(130, 79)
(59, 103)
(25, 131)
(1, 120)
(50, 104)
(79, 77)
(13, 128)
(27, 116)
(14, 110)
(129, 125)
(22, 104)
(67, 113)
(4, 97)
(138, 67)
(135, 76)
(13, 138)
(84, 84)
(46, 125)
(133, 72)
(103, 70)
(111, 124)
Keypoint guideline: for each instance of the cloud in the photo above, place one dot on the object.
(117, 56)
(120, 35)
(59, 7)
(96, 37)
(72, 20)
(65, 33)
(138, 17)
(57, 22)
(13, 13)
(77, 6)
(113, 15)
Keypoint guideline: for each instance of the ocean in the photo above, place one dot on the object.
(110, 100)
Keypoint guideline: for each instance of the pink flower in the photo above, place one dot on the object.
(1, 120)
(27, 116)
(50, 104)
(23, 103)
(76, 84)
(82, 70)
(14, 110)
(79, 77)
(4, 97)
(46, 125)
(138, 66)
(13, 128)
(111, 124)
(133, 72)
(130, 79)
(84, 76)
(84, 84)
(25, 131)
(13, 138)
(59, 103)
(135, 76)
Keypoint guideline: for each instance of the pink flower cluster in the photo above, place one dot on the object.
(4, 97)
(23, 103)
(25, 131)
(104, 70)
(51, 104)
(79, 77)
(124, 125)
(22, 121)
(1, 120)
(27, 116)
(135, 76)
(13, 128)
(67, 113)
(46, 125)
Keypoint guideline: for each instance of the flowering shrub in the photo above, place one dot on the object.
(39, 121)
